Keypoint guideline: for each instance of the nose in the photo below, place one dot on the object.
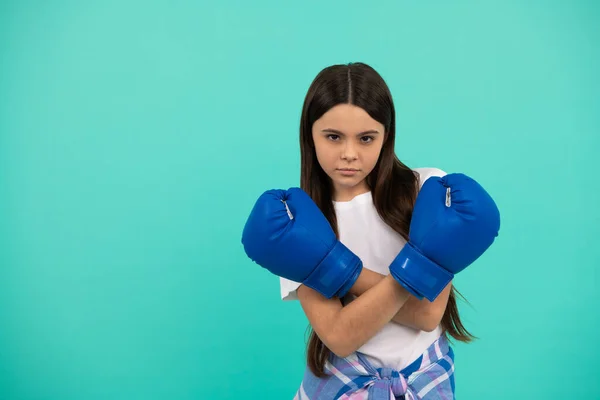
(349, 152)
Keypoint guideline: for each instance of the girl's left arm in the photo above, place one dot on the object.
(419, 314)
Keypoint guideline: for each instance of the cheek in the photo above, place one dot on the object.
(372, 157)
(323, 156)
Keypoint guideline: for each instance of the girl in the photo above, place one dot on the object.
(392, 345)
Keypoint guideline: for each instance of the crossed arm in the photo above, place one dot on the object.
(419, 314)
(380, 300)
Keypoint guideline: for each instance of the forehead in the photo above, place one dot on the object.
(349, 117)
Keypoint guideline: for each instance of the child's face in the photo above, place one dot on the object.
(348, 142)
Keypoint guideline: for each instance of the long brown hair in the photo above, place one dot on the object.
(394, 186)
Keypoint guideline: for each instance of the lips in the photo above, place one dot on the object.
(348, 171)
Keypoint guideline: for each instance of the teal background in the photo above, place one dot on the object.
(135, 137)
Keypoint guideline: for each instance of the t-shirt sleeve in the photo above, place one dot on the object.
(426, 173)
(288, 289)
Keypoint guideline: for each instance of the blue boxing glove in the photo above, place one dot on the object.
(454, 222)
(287, 234)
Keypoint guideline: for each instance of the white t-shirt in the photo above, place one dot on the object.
(362, 230)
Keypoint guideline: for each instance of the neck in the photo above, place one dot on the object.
(348, 193)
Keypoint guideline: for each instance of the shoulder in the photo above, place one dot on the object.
(427, 172)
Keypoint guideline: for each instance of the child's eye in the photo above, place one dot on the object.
(333, 137)
(369, 139)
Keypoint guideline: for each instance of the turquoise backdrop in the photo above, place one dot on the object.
(135, 137)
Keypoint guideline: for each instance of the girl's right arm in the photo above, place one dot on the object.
(418, 314)
(345, 329)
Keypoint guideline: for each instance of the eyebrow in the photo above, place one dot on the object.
(341, 133)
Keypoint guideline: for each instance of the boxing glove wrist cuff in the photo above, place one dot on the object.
(336, 273)
(418, 274)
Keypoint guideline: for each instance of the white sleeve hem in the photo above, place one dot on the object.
(427, 172)
(288, 289)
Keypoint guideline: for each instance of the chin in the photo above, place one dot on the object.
(349, 182)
